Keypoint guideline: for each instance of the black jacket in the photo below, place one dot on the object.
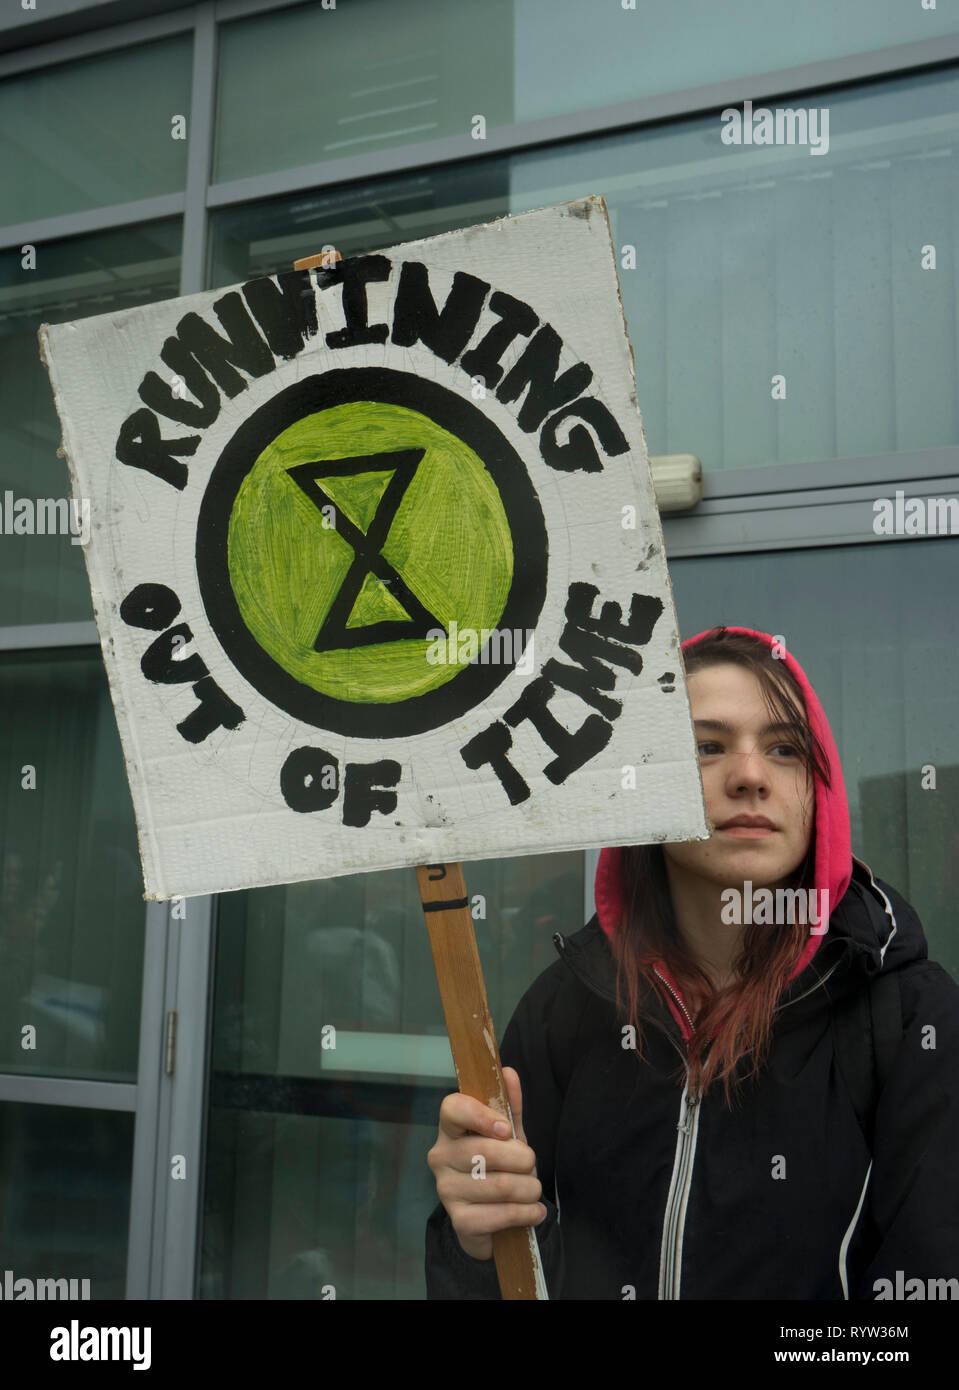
(778, 1198)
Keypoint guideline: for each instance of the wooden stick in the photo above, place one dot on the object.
(473, 1044)
(325, 258)
(466, 1010)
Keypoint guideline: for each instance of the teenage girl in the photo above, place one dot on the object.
(688, 1086)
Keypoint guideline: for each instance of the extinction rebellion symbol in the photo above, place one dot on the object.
(352, 515)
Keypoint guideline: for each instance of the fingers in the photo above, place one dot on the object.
(461, 1115)
(471, 1219)
(485, 1178)
(472, 1153)
(468, 1139)
(490, 1189)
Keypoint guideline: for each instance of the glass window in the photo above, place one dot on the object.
(263, 238)
(888, 685)
(72, 917)
(653, 48)
(65, 1195)
(43, 578)
(311, 84)
(371, 75)
(95, 132)
(316, 1168)
(760, 262)
(783, 307)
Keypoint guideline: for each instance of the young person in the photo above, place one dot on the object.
(695, 1093)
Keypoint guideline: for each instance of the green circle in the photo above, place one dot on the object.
(449, 541)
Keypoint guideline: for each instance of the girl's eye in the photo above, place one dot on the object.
(790, 748)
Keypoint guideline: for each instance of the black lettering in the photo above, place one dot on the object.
(644, 613)
(585, 648)
(365, 790)
(580, 451)
(354, 275)
(244, 346)
(215, 711)
(591, 641)
(158, 394)
(139, 445)
(302, 780)
(150, 605)
(536, 367)
(490, 746)
(572, 750)
(416, 318)
(515, 318)
(287, 315)
(157, 662)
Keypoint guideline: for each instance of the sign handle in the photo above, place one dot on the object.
(473, 1044)
(322, 258)
(468, 1022)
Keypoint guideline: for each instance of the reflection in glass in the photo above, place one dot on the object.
(740, 263)
(71, 910)
(95, 132)
(65, 1194)
(737, 264)
(363, 77)
(263, 238)
(43, 578)
(691, 43)
(316, 1175)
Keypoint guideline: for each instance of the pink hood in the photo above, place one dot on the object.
(833, 853)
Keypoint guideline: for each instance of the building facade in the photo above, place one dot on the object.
(782, 184)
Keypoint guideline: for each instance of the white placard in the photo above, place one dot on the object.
(377, 565)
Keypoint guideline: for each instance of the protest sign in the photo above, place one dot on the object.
(376, 562)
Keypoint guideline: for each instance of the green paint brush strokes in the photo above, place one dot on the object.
(450, 542)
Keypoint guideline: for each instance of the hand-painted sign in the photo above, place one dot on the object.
(376, 562)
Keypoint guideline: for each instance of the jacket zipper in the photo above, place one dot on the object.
(677, 1198)
(677, 998)
(674, 1221)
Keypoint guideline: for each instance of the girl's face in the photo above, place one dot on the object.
(748, 769)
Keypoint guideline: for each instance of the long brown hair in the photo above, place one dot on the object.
(740, 1015)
